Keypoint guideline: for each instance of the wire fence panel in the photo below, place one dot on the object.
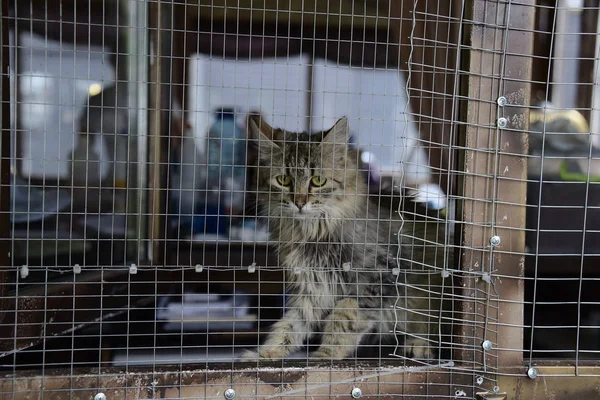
(299, 199)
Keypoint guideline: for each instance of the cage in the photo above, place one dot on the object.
(299, 199)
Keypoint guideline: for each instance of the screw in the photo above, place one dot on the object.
(496, 389)
(252, 268)
(495, 241)
(100, 396)
(502, 101)
(356, 393)
(230, 394)
(479, 380)
(486, 277)
(487, 345)
(532, 373)
(502, 122)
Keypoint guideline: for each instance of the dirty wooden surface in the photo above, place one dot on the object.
(263, 383)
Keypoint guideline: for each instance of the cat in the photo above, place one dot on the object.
(337, 251)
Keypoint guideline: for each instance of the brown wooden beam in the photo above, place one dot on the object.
(338, 15)
(542, 51)
(493, 182)
(428, 37)
(5, 256)
(89, 22)
(305, 380)
(587, 70)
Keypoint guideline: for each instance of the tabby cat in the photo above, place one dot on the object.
(334, 246)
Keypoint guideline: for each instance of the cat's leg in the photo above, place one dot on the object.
(423, 294)
(287, 335)
(415, 347)
(343, 330)
(421, 324)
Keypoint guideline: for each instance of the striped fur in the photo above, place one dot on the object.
(335, 228)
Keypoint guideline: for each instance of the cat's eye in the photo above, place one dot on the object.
(318, 181)
(284, 180)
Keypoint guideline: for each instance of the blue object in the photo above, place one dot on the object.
(226, 149)
(210, 219)
(207, 218)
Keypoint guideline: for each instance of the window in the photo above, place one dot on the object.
(54, 81)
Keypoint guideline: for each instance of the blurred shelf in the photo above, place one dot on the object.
(223, 253)
(224, 241)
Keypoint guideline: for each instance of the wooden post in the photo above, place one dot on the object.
(430, 46)
(156, 148)
(493, 182)
(6, 304)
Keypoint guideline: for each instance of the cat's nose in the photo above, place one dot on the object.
(300, 202)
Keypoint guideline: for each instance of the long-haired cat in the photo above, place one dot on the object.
(337, 251)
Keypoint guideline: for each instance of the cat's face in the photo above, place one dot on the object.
(307, 177)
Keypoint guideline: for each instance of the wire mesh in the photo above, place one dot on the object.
(168, 233)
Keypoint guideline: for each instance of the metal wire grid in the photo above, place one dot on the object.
(572, 43)
(134, 290)
(142, 295)
(540, 264)
(129, 292)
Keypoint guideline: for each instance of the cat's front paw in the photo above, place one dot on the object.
(327, 354)
(419, 349)
(319, 355)
(249, 355)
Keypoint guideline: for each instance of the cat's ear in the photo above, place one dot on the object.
(262, 135)
(339, 134)
(259, 129)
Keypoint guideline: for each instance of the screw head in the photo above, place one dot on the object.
(496, 389)
(356, 393)
(487, 345)
(502, 101)
(502, 122)
(479, 380)
(495, 240)
(532, 373)
(100, 396)
(230, 394)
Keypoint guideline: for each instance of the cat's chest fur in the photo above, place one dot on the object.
(317, 269)
(315, 276)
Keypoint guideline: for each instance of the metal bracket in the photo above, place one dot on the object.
(491, 396)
